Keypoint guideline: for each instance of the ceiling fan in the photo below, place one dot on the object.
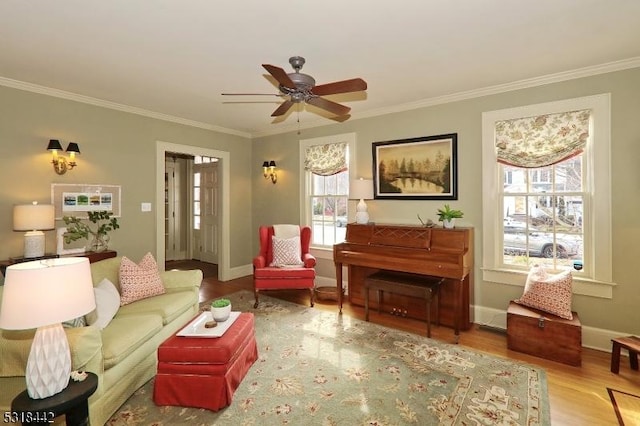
(297, 87)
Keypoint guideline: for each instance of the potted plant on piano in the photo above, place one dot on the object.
(448, 216)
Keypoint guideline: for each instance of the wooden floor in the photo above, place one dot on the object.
(578, 395)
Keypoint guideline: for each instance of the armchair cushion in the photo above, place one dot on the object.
(286, 252)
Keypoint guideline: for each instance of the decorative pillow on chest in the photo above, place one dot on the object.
(548, 293)
(139, 281)
(286, 252)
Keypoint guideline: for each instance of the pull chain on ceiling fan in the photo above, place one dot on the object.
(297, 87)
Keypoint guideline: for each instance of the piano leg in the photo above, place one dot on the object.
(457, 310)
(339, 284)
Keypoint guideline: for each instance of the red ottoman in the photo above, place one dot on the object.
(205, 372)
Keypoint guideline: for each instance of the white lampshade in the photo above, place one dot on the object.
(42, 294)
(361, 189)
(33, 218)
(45, 292)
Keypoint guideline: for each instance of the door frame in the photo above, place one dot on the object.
(224, 266)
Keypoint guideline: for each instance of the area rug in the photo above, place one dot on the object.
(321, 368)
(626, 406)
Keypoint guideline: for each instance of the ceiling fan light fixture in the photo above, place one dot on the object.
(299, 88)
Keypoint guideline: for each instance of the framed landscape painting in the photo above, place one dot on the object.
(424, 168)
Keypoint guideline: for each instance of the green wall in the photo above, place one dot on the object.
(280, 203)
(118, 148)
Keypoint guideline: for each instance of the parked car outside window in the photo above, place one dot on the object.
(537, 244)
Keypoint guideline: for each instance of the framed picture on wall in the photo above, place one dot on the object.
(78, 199)
(424, 168)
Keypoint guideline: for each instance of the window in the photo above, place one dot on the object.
(325, 187)
(196, 200)
(543, 220)
(546, 194)
(198, 159)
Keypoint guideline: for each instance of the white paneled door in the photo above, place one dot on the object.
(210, 198)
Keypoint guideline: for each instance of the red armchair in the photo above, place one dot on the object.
(266, 277)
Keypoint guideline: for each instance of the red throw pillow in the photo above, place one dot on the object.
(139, 281)
(548, 293)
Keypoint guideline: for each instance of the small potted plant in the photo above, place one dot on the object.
(448, 215)
(220, 309)
(77, 229)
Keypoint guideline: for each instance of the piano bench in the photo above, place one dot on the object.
(412, 285)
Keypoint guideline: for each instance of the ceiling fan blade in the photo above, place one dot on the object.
(330, 106)
(280, 75)
(345, 86)
(282, 109)
(251, 94)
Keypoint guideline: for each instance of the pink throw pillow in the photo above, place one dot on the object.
(286, 252)
(548, 293)
(139, 281)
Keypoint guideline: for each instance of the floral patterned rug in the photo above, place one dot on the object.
(322, 368)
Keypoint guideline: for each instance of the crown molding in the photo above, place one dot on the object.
(438, 100)
(35, 88)
(509, 87)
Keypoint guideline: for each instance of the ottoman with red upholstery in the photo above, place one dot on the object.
(204, 372)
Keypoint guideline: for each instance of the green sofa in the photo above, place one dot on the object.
(123, 354)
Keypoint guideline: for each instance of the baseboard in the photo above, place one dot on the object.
(494, 319)
(594, 338)
(240, 271)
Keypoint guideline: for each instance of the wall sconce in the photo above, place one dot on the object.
(60, 163)
(269, 170)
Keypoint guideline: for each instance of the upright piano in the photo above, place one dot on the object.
(439, 252)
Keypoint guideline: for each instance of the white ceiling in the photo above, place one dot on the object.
(175, 57)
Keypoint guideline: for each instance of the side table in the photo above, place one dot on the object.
(92, 255)
(13, 260)
(72, 402)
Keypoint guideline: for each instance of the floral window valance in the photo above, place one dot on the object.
(326, 160)
(542, 140)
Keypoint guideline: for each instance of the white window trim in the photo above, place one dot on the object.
(599, 195)
(305, 182)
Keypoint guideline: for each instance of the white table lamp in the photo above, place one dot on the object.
(361, 189)
(33, 218)
(41, 294)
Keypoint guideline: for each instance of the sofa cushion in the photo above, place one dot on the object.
(139, 281)
(169, 306)
(120, 339)
(107, 268)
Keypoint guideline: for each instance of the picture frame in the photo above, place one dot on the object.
(78, 199)
(422, 168)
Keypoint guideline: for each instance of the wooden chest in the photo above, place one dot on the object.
(541, 334)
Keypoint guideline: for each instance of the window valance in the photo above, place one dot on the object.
(542, 140)
(326, 160)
